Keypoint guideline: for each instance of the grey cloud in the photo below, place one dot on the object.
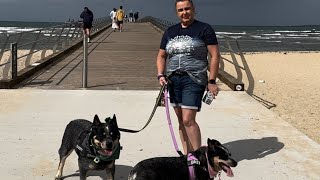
(224, 12)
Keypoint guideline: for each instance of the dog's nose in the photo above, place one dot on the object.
(235, 163)
(109, 144)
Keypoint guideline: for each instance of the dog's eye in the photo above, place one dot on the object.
(98, 138)
(114, 136)
(225, 156)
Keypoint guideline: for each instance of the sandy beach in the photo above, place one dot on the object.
(22, 61)
(288, 83)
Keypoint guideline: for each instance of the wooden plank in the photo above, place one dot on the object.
(117, 60)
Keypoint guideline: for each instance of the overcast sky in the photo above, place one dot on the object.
(215, 12)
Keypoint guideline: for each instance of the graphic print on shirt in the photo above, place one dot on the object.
(180, 46)
(187, 49)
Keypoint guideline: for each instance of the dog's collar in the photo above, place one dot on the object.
(211, 171)
(192, 160)
(115, 155)
(98, 157)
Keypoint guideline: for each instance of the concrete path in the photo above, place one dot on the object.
(32, 123)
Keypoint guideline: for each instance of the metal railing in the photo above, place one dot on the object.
(159, 23)
(230, 52)
(35, 45)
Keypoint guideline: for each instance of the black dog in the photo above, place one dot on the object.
(205, 164)
(97, 145)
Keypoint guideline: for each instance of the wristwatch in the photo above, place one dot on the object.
(212, 81)
(160, 76)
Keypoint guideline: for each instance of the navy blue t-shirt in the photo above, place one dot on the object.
(187, 49)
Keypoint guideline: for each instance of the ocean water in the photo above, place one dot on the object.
(20, 26)
(12, 28)
(250, 38)
(272, 38)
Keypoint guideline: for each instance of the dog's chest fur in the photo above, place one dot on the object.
(97, 166)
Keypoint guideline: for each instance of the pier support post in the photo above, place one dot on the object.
(13, 61)
(85, 62)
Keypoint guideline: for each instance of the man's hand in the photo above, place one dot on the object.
(162, 81)
(214, 89)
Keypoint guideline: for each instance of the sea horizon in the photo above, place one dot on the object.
(30, 21)
(251, 38)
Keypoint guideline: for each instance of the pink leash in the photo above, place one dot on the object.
(190, 156)
(169, 122)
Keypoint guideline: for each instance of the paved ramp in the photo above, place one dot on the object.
(32, 123)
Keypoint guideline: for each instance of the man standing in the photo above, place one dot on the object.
(120, 16)
(87, 18)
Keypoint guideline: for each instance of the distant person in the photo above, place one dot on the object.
(113, 13)
(120, 18)
(87, 18)
(114, 19)
(186, 45)
(131, 16)
(136, 16)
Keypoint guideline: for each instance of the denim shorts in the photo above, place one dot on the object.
(185, 93)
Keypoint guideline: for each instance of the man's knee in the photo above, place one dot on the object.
(188, 122)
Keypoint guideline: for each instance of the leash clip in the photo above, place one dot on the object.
(96, 160)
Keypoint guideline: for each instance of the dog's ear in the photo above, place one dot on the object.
(213, 143)
(212, 146)
(96, 121)
(114, 119)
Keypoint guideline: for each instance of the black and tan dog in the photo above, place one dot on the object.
(205, 163)
(97, 145)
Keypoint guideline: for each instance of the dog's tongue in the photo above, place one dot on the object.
(105, 152)
(228, 170)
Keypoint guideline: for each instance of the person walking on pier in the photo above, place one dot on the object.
(114, 19)
(186, 46)
(120, 17)
(131, 16)
(113, 13)
(136, 16)
(87, 19)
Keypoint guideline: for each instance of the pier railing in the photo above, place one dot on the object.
(21, 50)
(234, 69)
(231, 53)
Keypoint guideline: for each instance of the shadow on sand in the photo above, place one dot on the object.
(122, 172)
(253, 148)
